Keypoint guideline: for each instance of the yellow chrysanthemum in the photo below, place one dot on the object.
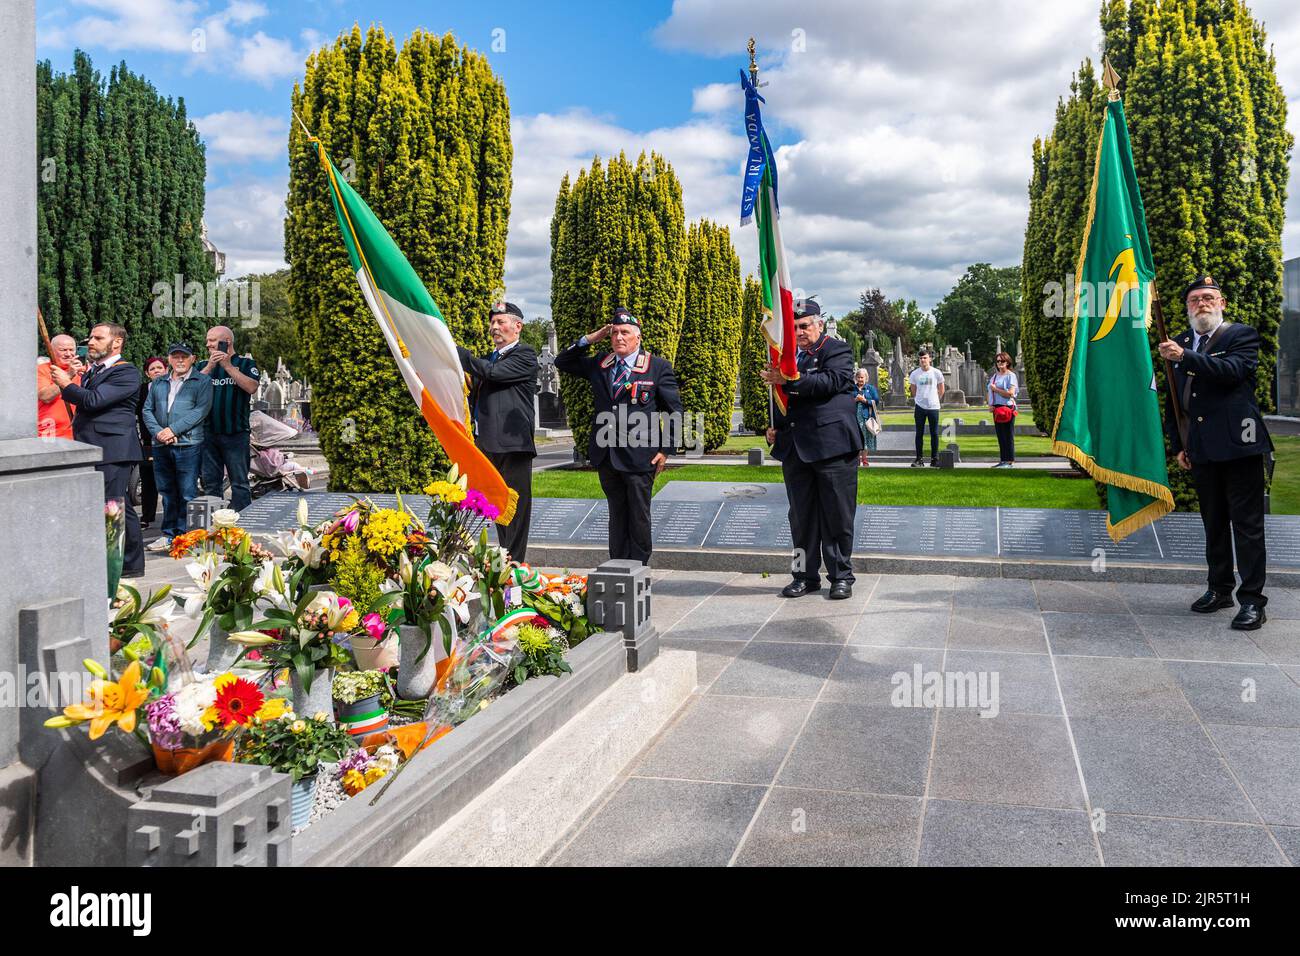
(272, 708)
(350, 622)
(385, 532)
(373, 774)
(354, 780)
(446, 491)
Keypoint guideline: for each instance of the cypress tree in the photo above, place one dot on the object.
(753, 359)
(708, 352)
(119, 204)
(423, 134)
(618, 237)
(1207, 120)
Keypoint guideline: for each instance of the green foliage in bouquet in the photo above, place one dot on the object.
(293, 745)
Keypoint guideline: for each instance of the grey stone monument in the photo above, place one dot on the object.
(618, 599)
(871, 361)
(897, 397)
(220, 814)
(53, 602)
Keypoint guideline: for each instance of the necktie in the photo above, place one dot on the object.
(621, 375)
(93, 371)
(496, 354)
(801, 361)
(1201, 343)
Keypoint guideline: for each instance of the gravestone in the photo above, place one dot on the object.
(871, 361)
(897, 397)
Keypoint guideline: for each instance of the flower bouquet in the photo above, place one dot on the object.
(195, 724)
(109, 702)
(476, 671)
(114, 540)
(138, 629)
(307, 637)
(364, 766)
(296, 746)
(457, 513)
(559, 598)
(357, 701)
(232, 574)
(427, 593)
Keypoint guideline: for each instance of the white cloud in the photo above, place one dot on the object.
(246, 222)
(208, 37)
(239, 136)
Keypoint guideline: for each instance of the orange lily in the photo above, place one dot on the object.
(110, 703)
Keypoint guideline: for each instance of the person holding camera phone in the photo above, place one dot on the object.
(225, 446)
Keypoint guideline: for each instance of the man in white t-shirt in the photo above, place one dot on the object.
(926, 383)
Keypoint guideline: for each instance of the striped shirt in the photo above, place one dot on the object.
(230, 403)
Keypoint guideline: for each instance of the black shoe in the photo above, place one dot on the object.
(841, 590)
(917, 464)
(1249, 618)
(934, 462)
(1211, 601)
(133, 574)
(799, 588)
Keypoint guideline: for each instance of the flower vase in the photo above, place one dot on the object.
(415, 679)
(318, 700)
(362, 717)
(302, 797)
(222, 651)
(372, 654)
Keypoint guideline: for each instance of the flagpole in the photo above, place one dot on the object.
(1110, 79)
(753, 79)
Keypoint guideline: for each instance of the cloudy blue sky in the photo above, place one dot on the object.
(902, 127)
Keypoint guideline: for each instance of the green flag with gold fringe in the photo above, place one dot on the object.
(1109, 418)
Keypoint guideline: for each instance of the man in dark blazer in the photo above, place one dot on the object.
(501, 400)
(1223, 441)
(107, 402)
(817, 442)
(638, 420)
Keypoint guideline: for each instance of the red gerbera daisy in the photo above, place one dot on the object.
(237, 701)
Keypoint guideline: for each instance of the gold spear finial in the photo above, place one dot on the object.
(1110, 79)
(753, 63)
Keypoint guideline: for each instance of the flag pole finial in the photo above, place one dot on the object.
(753, 63)
(1110, 79)
(302, 124)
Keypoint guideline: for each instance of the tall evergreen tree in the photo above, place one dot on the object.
(618, 237)
(423, 136)
(754, 407)
(119, 205)
(708, 352)
(1207, 120)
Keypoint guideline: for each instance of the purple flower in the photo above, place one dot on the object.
(356, 760)
(477, 502)
(164, 724)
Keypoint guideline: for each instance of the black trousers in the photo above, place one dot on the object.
(117, 479)
(1006, 432)
(628, 493)
(1232, 510)
(516, 467)
(823, 502)
(148, 492)
(922, 416)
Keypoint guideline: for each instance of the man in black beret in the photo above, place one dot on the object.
(631, 391)
(501, 402)
(1223, 441)
(817, 442)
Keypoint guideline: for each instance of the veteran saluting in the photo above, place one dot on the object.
(817, 442)
(1224, 444)
(630, 389)
(504, 383)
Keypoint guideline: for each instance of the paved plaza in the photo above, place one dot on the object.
(1128, 731)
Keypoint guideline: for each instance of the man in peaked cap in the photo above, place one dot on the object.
(632, 391)
(501, 402)
(1223, 441)
(817, 442)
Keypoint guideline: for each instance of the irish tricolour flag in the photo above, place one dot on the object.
(758, 200)
(416, 334)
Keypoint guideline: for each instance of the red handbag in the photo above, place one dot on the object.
(1003, 413)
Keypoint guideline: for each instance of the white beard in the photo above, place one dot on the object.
(1204, 322)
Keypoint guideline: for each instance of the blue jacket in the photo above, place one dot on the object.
(188, 413)
(1217, 388)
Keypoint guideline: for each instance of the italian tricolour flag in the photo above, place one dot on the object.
(416, 334)
(759, 201)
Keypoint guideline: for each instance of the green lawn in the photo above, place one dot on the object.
(1285, 494)
(972, 446)
(884, 486)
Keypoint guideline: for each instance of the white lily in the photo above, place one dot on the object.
(252, 638)
(302, 512)
(205, 569)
